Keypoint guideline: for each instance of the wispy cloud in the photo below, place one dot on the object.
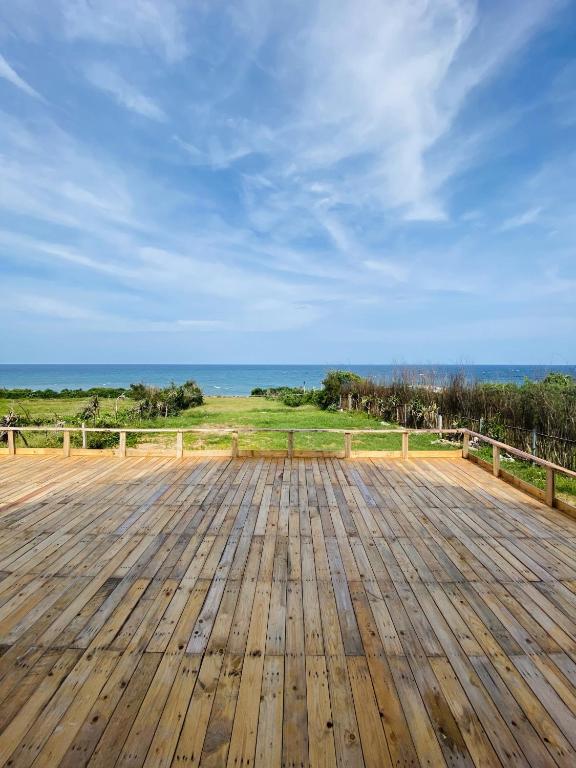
(522, 219)
(9, 74)
(64, 310)
(102, 76)
(158, 25)
(300, 167)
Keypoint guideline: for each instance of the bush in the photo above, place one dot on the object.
(508, 412)
(294, 399)
(165, 401)
(334, 385)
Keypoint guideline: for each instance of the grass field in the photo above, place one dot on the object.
(238, 412)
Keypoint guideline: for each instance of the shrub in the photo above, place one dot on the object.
(508, 412)
(165, 401)
(333, 385)
(294, 399)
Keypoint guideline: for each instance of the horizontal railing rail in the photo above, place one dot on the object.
(229, 430)
(521, 454)
(235, 432)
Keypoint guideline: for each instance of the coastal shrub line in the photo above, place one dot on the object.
(538, 417)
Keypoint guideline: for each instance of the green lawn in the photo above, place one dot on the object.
(533, 474)
(239, 412)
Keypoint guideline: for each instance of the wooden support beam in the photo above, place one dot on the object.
(290, 444)
(234, 445)
(122, 446)
(495, 461)
(405, 443)
(179, 444)
(347, 445)
(550, 486)
(11, 443)
(66, 443)
(465, 445)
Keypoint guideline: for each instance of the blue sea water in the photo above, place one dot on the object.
(241, 379)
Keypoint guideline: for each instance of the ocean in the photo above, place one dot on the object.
(241, 379)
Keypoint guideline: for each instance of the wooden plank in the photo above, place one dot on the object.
(374, 746)
(269, 738)
(322, 751)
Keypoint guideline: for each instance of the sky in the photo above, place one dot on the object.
(291, 181)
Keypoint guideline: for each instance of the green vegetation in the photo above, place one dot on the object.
(293, 397)
(543, 412)
(134, 407)
(229, 412)
(63, 394)
(327, 398)
(532, 473)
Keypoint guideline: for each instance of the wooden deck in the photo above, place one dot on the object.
(305, 612)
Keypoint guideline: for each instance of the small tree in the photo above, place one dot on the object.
(333, 386)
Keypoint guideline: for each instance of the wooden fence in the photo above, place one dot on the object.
(547, 495)
(178, 450)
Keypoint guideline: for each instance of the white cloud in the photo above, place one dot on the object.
(62, 309)
(50, 176)
(304, 140)
(157, 25)
(522, 219)
(8, 73)
(370, 101)
(106, 79)
(386, 268)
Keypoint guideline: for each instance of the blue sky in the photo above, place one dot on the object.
(303, 181)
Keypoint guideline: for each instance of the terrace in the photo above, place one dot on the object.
(282, 610)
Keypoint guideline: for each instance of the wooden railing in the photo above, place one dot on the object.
(548, 495)
(121, 450)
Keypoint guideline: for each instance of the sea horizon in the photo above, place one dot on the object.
(238, 379)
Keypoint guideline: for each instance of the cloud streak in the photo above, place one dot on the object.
(291, 176)
(9, 74)
(104, 78)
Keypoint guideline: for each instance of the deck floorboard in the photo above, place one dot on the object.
(275, 612)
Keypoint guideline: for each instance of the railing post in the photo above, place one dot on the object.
(550, 482)
(465, 445)
(66, 443)
(234, 445)
(495, 461)
(122, 446)
(347, 445)
(83, 434)
(11, 443)
(405, 438)
(179, 444)
(290, 444)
